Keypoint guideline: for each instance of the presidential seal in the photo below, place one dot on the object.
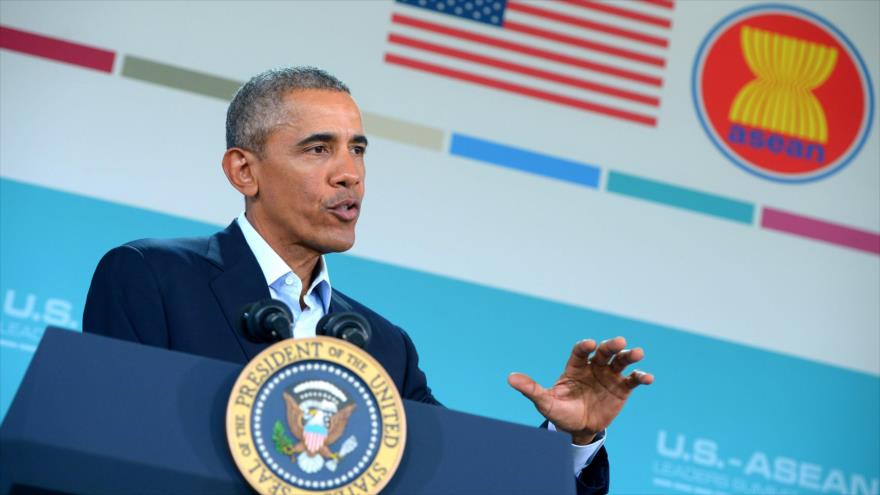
(315, 416)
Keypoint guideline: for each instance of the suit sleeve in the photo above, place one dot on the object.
(125, 301)
(415, 384)
(594, 479)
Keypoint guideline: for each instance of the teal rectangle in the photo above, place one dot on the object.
(680, 197)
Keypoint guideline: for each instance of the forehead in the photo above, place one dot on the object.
(313, 110)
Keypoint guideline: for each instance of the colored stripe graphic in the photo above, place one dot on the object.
(470, 147)
(56, 49)
(820, 230)
(179, 78)
(404, 132)
(525, 161)
(680, 197)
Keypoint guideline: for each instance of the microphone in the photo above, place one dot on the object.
(348, 326)
(268, 320)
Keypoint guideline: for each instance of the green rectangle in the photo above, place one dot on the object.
(680, 197)
(179, 78)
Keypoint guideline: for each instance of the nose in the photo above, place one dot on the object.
(349, 171)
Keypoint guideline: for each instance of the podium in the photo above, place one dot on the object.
(95, 415)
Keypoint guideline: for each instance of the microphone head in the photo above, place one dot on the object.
(268, 320)
(348, 326)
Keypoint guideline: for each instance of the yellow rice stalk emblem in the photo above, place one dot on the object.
(780, 98)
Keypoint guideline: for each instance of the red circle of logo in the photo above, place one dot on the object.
(782, 93)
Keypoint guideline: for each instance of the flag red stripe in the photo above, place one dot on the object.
(586, 24)
(522, 90)
(666, 4)
(522, 69)
(621, 12)
(56, 49)
(583, 43)
(525, 49)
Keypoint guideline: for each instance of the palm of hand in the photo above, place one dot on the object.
(591, 391)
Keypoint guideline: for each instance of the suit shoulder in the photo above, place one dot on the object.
(182, 249)
(371, 315)
(160, 256)
(170, 263)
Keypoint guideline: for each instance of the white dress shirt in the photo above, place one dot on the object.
(286, 286)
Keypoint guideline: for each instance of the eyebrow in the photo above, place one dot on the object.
(326, 136)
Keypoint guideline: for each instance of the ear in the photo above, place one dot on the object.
(238, 165)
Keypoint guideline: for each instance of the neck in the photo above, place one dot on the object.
(303, 262)
(304, 266)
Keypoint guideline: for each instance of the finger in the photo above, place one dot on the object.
(625, 358)
(638, 377)
(607, 349)
(580, 354)
(530, 388)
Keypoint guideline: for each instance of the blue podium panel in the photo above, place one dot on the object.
(453, 452)
(96, 415)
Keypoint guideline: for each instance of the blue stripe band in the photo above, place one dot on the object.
(680, 197)
(525, 161)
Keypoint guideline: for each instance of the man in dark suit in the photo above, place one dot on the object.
(296, 153)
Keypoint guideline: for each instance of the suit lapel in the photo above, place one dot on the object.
(334, 303)
(338, 303)
(239, 283)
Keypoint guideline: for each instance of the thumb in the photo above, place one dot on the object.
(534, 392)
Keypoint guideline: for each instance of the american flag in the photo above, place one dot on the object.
(596, 56)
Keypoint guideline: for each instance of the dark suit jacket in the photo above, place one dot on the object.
(187, 295)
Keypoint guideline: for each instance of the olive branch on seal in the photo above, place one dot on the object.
(283, 443)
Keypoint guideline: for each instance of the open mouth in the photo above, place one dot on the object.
(347, 210)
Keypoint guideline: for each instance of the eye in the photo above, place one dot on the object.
(359, 150)
(319, 149)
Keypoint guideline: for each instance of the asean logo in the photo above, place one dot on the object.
(315, 416)
(782, 93)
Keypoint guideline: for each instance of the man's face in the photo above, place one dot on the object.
(310, 175)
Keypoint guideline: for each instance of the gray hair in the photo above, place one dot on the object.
(257, 106)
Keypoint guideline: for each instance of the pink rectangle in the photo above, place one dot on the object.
(821, 230)
(56, 49)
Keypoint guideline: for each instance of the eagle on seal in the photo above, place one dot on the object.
(317, 424)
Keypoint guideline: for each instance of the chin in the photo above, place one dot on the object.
(338, 245)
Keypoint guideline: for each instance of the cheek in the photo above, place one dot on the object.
(300, 190)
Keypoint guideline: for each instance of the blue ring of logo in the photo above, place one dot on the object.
(356, 384)
(740, 163)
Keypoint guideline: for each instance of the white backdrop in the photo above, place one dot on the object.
(111, 136)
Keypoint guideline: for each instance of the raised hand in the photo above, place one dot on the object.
(591, 391)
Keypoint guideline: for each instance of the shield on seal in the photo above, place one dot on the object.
(314, 435)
